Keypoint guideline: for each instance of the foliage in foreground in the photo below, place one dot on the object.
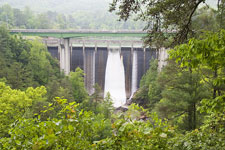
(79, 129)
(210, 135)
(137, 129)
(71, 129)
(15, 104)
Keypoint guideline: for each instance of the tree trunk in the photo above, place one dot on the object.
(215, 86)
(190, 118)
(194, 116)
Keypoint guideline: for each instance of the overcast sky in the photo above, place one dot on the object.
(212, 3)
(69, 6)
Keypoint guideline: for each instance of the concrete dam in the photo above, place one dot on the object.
(116, 61)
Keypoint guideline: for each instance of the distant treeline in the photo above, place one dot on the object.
(28, 19)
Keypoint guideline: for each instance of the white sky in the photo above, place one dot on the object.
(212, 3)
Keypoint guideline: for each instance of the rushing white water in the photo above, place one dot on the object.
(134, 74)
(115, 78)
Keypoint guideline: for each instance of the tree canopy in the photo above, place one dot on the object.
(29, 19)
(166, 20)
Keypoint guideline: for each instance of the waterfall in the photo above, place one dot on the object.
(115, 78)
(134, 74)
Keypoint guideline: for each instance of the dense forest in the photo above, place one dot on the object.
(181, 107)
(28, 19)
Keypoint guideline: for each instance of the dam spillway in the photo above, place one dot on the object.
(115, 77)
(94, 63)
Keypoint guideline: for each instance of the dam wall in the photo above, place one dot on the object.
(115, 60)
(93, 61)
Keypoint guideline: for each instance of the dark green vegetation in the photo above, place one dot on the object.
(183, 106)
(190, 92)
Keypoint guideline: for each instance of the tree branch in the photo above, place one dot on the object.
(184, 32)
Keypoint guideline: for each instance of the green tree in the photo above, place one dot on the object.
(206, 56)
(19, 18)
(14, 58)
(130, 132)
(59, 86)
(14, 104)
(7, 15)
(71, 129)
(77, 81)
(221, 14)
(18, 77)
(181, 93)
(211, 134)
(39, 64)
(25, 63)
(204, 19)
(28, 63)
(43, 21)
(62, 21)
(95, 98)
(149, 92)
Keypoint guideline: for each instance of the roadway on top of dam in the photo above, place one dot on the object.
(79, 33)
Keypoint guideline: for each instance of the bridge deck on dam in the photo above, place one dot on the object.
(78, 33)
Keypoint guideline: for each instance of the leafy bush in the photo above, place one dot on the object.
(131, 132)
(14, 104)
(71, 129)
